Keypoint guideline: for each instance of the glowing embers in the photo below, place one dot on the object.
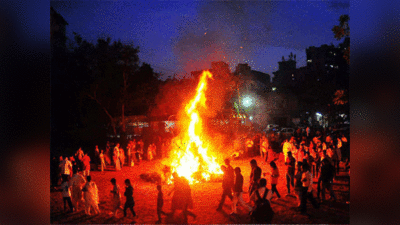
(190, 156)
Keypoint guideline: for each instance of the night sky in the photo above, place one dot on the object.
(182, 36)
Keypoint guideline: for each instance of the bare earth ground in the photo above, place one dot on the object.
(205, 197)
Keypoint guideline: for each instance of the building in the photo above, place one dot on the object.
(327, 65)
(286, 72)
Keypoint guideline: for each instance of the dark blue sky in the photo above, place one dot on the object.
(182, 36)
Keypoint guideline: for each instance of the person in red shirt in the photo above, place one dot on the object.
(86, 165)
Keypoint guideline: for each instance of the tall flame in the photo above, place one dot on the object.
(191, 159)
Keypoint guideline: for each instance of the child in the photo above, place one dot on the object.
(66, 193)
(274, 178)
(91, 196)
(129, 198)
(116, 199)
(160, 203)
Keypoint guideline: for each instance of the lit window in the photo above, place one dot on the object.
(292, 75)
(310, 60)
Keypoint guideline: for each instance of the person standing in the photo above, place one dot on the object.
(66, 168)
(129, 153)
(298, 185)
(116, 158)
(116, 197)
(255, 176)
(264, 148)
(97, 157)
(274, 178)
(91, 196)
(286, 148)
(226, 187)
(238, 192)
(150, 152)
(78, 156)
(129, 203)
(326, 176)
(77, 182)
(121, 156)
(66, 193)
(86, 165)
(102, 161)
(290, 167)
(140, 150)
(307, 190)
(160, 203)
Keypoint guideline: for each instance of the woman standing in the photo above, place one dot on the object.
(274, 178)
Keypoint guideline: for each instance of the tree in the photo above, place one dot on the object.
(109, 74)
(343, 31)
(340, 98)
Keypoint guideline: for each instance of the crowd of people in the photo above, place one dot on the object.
(305, 157)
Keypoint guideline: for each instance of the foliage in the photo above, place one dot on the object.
(340, 97)
(343, 31)
(109, 74)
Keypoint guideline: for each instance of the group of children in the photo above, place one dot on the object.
(77, 191)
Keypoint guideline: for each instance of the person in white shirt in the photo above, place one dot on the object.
(66, 193)
(116, 158)
(77, 182)
(307, 189)
(116, 197)
(91, 197)
(66, 168)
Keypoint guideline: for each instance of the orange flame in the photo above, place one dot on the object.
(192, 155)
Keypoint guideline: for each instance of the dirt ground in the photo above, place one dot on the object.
(206, 197)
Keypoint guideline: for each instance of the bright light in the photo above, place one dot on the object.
(251, 117)
(247, 101)
(318, 114)
(273, 88)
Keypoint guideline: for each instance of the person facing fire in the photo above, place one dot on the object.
(255, 176)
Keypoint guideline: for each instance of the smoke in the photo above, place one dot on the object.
(222, 31)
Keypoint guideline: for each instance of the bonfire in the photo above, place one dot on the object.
(191, 156)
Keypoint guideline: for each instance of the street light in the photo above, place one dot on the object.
(247, 101)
